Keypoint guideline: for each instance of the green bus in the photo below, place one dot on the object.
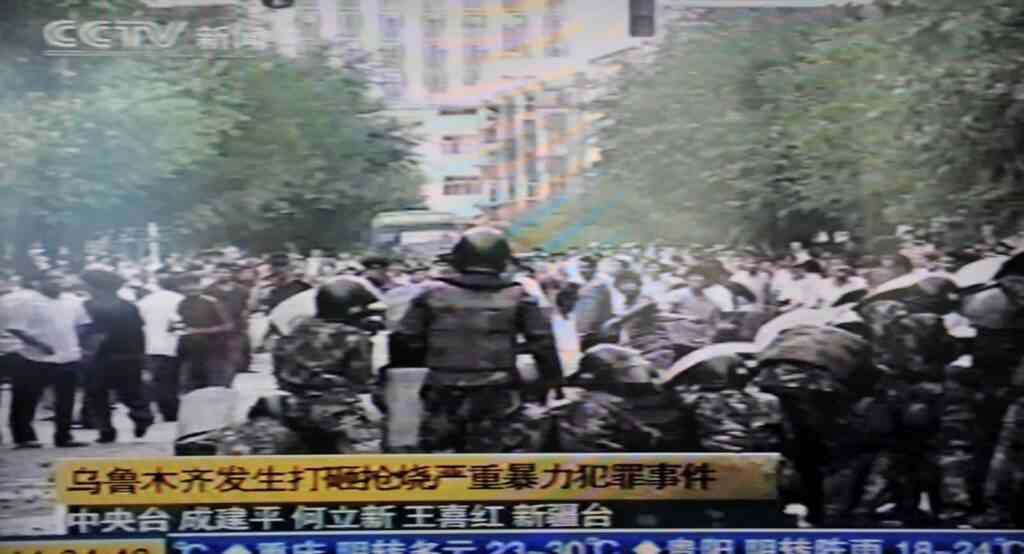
(415, 233)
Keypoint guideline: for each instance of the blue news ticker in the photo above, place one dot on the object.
(681, 541)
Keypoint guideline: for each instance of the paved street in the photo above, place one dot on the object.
(26, 496)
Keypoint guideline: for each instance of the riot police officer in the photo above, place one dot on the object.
(466, 328)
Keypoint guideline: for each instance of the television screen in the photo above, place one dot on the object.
(512, 277)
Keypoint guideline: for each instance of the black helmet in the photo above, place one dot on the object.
(482, 249)
(342, 300)
(609, 365)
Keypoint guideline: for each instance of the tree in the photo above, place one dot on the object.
(778, 124)
(263, 150)
(312, 163)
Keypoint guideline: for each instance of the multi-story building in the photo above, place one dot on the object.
(442, 64)
(496, 87)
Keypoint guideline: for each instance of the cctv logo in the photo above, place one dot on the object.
(105, 35)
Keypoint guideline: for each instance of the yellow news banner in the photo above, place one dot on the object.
(415, 478)
(71, 545)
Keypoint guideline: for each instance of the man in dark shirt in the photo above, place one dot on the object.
(235, 300)
(119, 347)
(375, 270)
(283, 284)
(203, 348)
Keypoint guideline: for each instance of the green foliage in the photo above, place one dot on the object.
(253, 151)
(773, 126)
(310, 163)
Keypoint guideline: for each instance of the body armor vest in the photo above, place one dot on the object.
(472, 330)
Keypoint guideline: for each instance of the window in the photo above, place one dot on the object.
(491, 134)
(513, 36)
(554, 44)
(531, 188)
(393, 56)
(433, 27)
(393, 88)
(458, 111)
(472, 74)
(511, 152)
(557, 126)
(435, 74)
(474, 54)
(557, 167)
(556, 49)
(532, 170)
(460, 186)
(350, 23)
(391, 27)
(475, 25)
(450, 145)
(563, 98)
(530, 132)
(435, 81)
(641, 18)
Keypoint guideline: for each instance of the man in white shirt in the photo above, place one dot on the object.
(842, 282)
(11, 362)
(159, 311)
(803, 287)
(48, 325)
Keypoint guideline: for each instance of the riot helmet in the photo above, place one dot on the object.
(482, 250)
(343, 300)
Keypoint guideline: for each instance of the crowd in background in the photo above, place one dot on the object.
(117, 330)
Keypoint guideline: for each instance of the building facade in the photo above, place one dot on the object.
(499, 90)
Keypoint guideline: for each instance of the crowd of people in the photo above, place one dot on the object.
(893, 382)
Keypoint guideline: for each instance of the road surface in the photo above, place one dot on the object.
(26, 493)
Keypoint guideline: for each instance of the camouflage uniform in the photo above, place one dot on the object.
(818, 374)
(326, 366)
(480, 418)
(464, 327)
(620, 409)
(259, 436)
(602, 422)
(745, 420)
(1004, 486)
(915, 350)
(977, 403)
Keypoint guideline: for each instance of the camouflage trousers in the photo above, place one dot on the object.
(809, 446)
(490, 419)
(971, 422)
(812, 408)
(891, 456)
(261, 436)
(856, 451)
(1004, 486)
(333, 421)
